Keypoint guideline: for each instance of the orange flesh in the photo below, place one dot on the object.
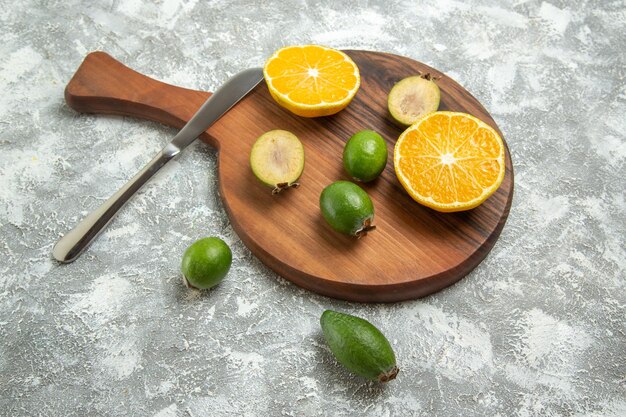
(450, 161)
(312, 76)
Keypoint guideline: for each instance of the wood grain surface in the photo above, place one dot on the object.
(414, 250)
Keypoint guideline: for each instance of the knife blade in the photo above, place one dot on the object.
(73, 243)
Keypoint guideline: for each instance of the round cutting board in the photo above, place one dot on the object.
(414, 250)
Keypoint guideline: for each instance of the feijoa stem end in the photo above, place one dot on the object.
(389, 375)
(283, 186)
(367, 227)
(428, 76)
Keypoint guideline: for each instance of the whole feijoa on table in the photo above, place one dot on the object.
(359, 346)
(347, 208)
(277, 159)
(206, 262)
(365, 155)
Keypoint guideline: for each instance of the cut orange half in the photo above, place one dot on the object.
(450, 161)
(311, 80)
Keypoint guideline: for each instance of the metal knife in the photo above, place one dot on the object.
(70, 246)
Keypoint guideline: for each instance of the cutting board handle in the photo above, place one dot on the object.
(104, 85)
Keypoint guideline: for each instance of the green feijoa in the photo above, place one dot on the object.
(277, 159)
(206, 262)
(365, 155)
(412, 98)
(359, 346)
(347, 208)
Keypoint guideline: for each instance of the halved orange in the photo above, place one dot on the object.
(450, 161)
(311, 80)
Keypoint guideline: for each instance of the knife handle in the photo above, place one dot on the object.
(74, 242)
(104, 85)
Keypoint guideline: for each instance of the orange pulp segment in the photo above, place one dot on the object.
(311, 80)
(450, 161)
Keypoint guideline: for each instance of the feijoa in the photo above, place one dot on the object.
(413, 97)
(277, 159)
(365, 155)
(206, 262)
(359, 346)
(347, 208)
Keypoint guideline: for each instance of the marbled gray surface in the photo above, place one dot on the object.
(538, 329)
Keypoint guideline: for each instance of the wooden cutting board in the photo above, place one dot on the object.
(414, 251)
